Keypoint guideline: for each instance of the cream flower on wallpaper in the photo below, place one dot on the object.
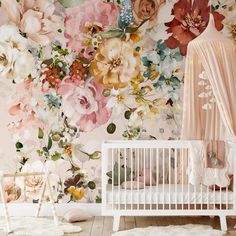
(115, 63)
(230, 24)
(141, 114)
(35, 18)
(119, 98)
(78, 154)
(16, 63)
(31, 184)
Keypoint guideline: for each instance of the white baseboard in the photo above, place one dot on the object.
(29, 209)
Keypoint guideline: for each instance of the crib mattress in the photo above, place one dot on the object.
(166, 194)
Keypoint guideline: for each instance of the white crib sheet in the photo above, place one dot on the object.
(168, 194)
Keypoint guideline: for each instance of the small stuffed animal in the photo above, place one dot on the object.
(146, 178)
(122, 174)
(132, 185)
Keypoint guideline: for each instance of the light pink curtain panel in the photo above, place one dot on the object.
(210, 87)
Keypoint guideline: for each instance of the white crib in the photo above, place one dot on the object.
(166, 163)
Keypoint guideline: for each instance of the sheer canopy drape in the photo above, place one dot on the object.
(210, 88)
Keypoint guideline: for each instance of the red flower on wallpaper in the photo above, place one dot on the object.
(190, 20)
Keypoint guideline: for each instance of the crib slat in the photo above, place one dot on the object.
(169, 161)
(144, 167)
(208, 200)
(150, 174)
(163, 178)
(176, 173)
(157, 178)
(220, 199)
(138, 160)
(227, 197)
(125, 164)
(113, 178)
(201, 198)
(188, 186)
(119, 178)
(214, 189)
(131, 165)
(182, 176)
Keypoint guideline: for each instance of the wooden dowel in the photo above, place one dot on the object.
(23, 174)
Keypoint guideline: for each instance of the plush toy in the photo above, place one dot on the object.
(144, 177)
(132, 185)
(116, 169)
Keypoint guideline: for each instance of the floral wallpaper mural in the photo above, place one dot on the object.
(76, 72)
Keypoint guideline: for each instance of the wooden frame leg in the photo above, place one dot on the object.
(55, 217)
(41, 199)
(223, 223)
(5, 209)
(48, 185)
(116, 222)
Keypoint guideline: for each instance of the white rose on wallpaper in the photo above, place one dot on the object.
(8, 56)
(24, 66)
(16, 62)
(10, 34)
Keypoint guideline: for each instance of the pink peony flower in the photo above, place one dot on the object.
(12, 191)
(83, 22)
(84, 105)
(28, 107)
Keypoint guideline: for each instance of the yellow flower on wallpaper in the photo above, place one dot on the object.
(77, 193)
(115, 63)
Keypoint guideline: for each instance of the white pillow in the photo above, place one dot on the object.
(76, 215)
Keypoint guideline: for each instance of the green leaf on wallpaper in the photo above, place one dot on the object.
(45, 149)
(56, 156)
(19, 145)
(91, 185)
(146, 62)
(96, 155)
(40, 133)
(106, 92)
(118, 1)
(115, 33)
(175, 80)
(162, 78)
(49, 143)
(111, 128)
(70, 3)
(127, 114)
(84, 60)
(134, 29)
(48, 62)
(98, 199)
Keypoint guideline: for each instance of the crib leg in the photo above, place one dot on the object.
(5, 209)
(116, 222)
(223, 223)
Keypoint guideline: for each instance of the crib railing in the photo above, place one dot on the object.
(150, 178)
